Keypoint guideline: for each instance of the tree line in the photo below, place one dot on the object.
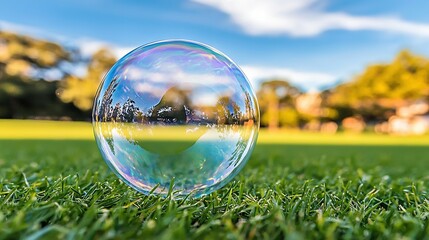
(38, 80)
(372, 96)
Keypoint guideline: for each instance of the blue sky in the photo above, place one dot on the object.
(313, 43)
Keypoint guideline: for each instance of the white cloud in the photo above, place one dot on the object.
(149, 88)
(171, 73)
(121, 51)
(156, 81)
(304, 18)
(305, 80)
(88, 47)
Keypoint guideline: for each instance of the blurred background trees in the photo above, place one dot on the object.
(382, 88)
(81, 91)
(38, 79)
(277, 104)
(379, 95)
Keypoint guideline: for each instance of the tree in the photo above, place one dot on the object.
(23, 98)
(273, 96)
(23, 91)
(28, 57)
(172, 107)
(384, 87)
(81, 91)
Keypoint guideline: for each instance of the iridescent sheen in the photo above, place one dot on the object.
(175, 115)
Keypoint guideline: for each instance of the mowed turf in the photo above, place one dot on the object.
(54, 185)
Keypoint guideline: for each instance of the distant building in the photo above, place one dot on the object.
(419, 107)
(353, 124)
(329, 127)
(417, 125)
(409, 119)
(309, 103)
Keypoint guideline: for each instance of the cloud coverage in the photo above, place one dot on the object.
(306, 18)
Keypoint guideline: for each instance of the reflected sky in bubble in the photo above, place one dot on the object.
(175, 112)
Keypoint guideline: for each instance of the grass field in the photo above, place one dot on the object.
(54, 185)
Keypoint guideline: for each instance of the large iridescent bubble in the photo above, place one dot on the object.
(175, 114)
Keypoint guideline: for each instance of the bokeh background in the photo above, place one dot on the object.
(321, 66)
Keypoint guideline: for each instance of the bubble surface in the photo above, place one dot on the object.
(175, 115)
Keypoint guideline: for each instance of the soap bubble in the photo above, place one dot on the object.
(175, 115)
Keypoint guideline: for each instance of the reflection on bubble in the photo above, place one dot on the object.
(175, 113)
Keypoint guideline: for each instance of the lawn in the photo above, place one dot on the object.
(54, 185)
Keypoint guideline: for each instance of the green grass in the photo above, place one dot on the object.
(336, 186)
